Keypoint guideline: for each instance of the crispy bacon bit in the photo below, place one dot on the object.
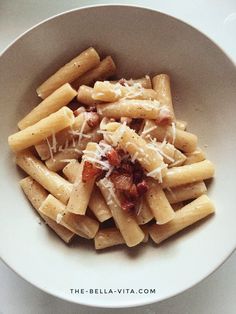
(165, 117)
(138, 172)
(133, 192)
(121, 181)
(93, 120)
(127, 205)
(142, 187)
(113, 157)
(78, 111)
(90, 171)
(126, 167)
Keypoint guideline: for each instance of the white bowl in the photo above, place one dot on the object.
(204, 84)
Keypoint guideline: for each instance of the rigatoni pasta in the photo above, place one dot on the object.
(116, 168)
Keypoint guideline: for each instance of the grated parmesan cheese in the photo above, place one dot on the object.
(156, 173)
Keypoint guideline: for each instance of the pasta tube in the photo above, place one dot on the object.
(50, 180)
(104, 70)
(188, 174)
(145, 81)
(74, 151)
(96, 203)
(108, 92)
(124, 220)
(71, 170)
(85, 96)
(161, 84)
(85, 61)
(184, 217)
(132, 108)
(37, 132)
(110, 237)
(185, 141)
(181, 124)
(82, 225)
(59, 98)
(185, 192)
(195, 156)
(128, 140)
(36, 195)
(145, 214)
(61, 140)
(171, 155)
(81, 192)
(159, 204)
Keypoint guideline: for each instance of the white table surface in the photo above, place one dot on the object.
(217, 293)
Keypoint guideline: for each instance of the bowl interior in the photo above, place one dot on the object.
(203, 81)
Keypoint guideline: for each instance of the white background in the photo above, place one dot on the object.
(216, 294)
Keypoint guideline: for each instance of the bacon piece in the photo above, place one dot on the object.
(93, 120)
(127, 205)
(133, 192)
(90, 171)
(121, 181)
(126, 167)
(138, 172)
(142, 187)
(113, 158)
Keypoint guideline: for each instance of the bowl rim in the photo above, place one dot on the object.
(136, 303)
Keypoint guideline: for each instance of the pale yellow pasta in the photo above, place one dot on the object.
(188, 174)
(37, 132)
(59, 98)
(81, 225)
(171, 155)
(62, 139)
(109, 237)
(50, 180)
(158, 203)
(36, 194)
(184, 217)
(136, 146)
(84, 62)
(74, 151)
(181, 124)
(80, 195)
(195, 156)
(124, 220)
(108, 92)
(144, 215)
(105, 69)
(143, 81)
(132, 108)
(85, 96)
(185, 141)
(96, 203)
(185, 192)
(122, 157)
(161, 84)
(71, 170)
